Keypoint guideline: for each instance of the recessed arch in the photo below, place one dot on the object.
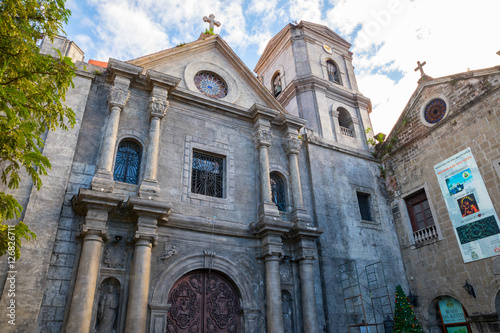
(279, 190)
(183, 265)
(128, 159)
(346, 122)
(333, 72)
(277, 84)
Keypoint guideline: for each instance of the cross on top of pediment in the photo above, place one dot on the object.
(420, 67)
(211, 21)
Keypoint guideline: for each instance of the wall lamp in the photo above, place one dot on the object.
(469, 288)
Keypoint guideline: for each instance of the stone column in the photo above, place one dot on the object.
(262, 140)
(305, 252)
(310, 316)
(274, 308)
(148, 211)
(292, 148)
(95, 205)
(139, 285)
(80, 314)
(103, 180)
(149, 185)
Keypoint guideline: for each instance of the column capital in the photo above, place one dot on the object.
(292, 145)
(158, 107)
(118, 97)
(263, 137)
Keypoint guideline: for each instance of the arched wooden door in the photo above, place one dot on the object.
(203, 302)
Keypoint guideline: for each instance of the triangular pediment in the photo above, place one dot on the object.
(210, 54)
(458, 93)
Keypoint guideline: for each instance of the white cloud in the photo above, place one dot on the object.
(451, 35)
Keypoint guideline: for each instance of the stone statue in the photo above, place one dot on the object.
(106, 312)
(287, 313)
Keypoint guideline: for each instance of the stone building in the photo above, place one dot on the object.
(195, 196)
(442, 167)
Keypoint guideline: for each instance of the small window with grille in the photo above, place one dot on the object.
(278, 191)
(128, 162)
(364, 206)
(207, 175)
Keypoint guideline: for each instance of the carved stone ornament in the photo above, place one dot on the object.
(118, 97)
(263, 137)
(292, 145)
(168, 252)
(115, 255)
(158, 107)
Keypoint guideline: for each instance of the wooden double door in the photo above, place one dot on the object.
(203, 302)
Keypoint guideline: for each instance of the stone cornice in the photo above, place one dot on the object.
(150, 208)
(91, 199)
(121, 68)
(199, 224)
(315, 140)
(163, 80)
(258, 111)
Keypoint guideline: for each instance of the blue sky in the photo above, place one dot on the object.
(387, 36)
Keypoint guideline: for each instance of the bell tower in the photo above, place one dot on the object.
(308, 68)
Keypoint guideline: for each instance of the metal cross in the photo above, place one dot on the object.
(211, 20)
(420, 67)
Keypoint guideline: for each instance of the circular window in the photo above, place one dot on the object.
(435, 111)
(210, 85)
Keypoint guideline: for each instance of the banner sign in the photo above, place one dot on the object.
(451, 311)
(471, 212)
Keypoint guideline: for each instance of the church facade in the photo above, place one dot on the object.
(442, 167)
(195, 196)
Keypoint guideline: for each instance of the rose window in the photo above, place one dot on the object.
(210, 85)
(435, 111)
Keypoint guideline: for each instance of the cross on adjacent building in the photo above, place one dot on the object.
(420, 67)
(211, 20)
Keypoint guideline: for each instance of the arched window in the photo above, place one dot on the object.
(345, 122)
(278, 191)
(277, 84)
(333, 72)
(128, 162)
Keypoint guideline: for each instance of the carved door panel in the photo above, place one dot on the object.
(203, 302)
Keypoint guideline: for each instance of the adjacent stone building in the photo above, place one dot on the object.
(441, 163)
(195, 196)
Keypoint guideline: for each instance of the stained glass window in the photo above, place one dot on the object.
(333, 72)
(210, 85)
(128, 162)
(207, 176)
(364, 206)
(278, 191)
(277, 84)
(435, 111)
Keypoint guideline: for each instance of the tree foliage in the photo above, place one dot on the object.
(32, 88)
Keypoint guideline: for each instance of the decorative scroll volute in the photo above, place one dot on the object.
(158, 107)
(263, 137)
(118, 97)
(292, 145)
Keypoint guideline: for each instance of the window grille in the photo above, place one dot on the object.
(128, 162)
(364, 206)
(333, 72)
(207, 175)
(278, 191)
